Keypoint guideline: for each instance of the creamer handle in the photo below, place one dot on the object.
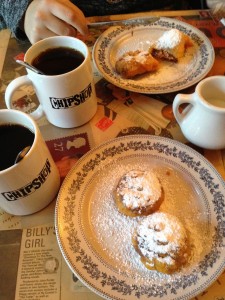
(178, 101)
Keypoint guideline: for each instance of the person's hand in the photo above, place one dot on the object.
(45, 18)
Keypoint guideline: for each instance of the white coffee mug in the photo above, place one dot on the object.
(32, 183)
(203, 120)
(68, 100)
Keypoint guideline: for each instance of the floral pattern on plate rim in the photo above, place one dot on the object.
(204, 64)
(175, 151)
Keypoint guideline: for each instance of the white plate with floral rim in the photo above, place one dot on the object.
(96, 240)
(115, 41)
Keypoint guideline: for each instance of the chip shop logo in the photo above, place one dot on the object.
(31, 187)
(62, 103)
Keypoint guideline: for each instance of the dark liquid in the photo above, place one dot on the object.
(57, 61)
(13, 139)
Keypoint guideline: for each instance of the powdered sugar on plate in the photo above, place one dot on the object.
(139, 189)
(170, 77)
(161, 237)
(96, 240)
(168, 72)
(110, 233)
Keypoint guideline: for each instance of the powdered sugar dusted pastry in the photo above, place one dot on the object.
(134, 63)
(161, 241)
(138, 193)
(171, 45)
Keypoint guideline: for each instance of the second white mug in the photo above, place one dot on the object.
(68, 100)
(28, 185)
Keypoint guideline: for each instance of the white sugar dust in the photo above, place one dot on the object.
(111, 232)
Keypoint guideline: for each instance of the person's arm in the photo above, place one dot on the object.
(45, 18)
(11, 16)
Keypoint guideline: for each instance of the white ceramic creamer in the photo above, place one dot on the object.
(202, 121)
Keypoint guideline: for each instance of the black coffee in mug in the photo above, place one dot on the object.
(13, 139)
(56, 61)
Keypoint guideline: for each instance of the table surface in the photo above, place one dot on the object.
(23, 238)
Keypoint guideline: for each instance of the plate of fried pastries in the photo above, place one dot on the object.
(142, 217)
(162, 57)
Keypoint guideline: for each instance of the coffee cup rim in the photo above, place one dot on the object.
(54, 38)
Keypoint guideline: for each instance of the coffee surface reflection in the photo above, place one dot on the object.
(56, 61)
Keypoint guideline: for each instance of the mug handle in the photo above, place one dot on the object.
(182, 99)
(15, 85)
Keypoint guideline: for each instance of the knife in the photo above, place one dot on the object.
(133, 21)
